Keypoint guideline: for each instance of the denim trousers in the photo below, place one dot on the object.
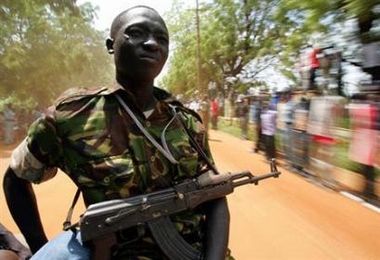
(66, 246)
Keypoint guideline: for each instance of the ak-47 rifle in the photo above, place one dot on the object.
(105, 218)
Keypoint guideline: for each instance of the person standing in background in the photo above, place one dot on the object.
(370, 39)
(364, 114)
(9, 120)
(242, 112)
(268, 129)
(214, 114)
(314, 65)
(259, 143)
(287, 111)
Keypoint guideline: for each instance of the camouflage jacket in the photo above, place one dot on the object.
(89, 136)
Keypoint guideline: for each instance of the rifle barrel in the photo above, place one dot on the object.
(254, 179)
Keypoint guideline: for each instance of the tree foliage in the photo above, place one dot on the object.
(239, 39)
(242, 38)
(47, 46)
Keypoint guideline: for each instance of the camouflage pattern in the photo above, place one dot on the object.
(91, 138)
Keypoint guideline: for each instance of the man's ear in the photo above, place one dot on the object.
(109, 44)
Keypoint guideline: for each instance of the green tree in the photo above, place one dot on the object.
(48, 46)
(239, 39)
(345, 24)
(242, 38)
(181, 77)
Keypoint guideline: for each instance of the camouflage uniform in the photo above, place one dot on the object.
(90, 137)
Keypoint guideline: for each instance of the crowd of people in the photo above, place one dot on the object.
(305, 131)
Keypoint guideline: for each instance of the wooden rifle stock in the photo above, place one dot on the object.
(101, 247)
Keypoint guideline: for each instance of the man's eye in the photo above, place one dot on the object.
(135, 33)
(163, 39)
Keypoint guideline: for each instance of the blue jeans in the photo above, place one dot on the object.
(66, 246)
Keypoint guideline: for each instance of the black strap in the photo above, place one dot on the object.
(167, 154)
(67, 224)
(195, 143)
(163, 231)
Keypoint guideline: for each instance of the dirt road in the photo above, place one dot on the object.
(284, 218)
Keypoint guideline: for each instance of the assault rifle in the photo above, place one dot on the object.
(105, 218)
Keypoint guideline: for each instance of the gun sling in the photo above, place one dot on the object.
(163, 231)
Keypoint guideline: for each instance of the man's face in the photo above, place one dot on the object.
(141, 45)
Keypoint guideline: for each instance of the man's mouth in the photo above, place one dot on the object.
(149, 58)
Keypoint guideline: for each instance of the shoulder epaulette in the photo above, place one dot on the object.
(74, 94)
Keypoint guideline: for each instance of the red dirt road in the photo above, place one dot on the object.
(284, 218)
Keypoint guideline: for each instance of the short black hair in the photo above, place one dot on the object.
(119, 18)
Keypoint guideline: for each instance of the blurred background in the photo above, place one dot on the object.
(295, 80)
(317, 62)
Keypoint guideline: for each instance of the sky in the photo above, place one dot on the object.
(108, 9)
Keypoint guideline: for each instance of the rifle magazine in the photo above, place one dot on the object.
(171, 242)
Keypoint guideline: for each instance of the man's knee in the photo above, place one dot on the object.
(8, 255)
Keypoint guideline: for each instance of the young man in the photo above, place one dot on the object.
(106, 141)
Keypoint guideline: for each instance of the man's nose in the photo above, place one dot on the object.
(151, 42)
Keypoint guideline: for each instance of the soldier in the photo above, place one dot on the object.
(106, 141)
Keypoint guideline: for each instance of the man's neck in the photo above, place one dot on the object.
(142, 92)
